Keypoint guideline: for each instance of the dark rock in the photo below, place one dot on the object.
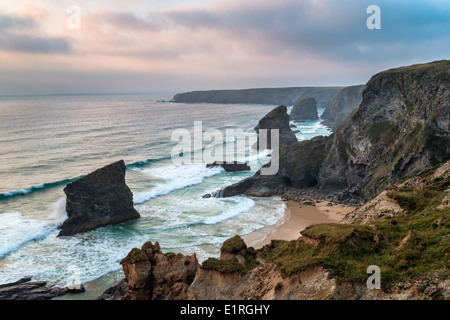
(26, 290)
(101, 198)
(116, 291)
(277, 119)
(230, 167)
(207, 196)
(305, 109)
(347, 100)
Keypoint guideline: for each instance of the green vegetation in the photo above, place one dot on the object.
(347, 250)
(134, 256)
(231, 266)
(384, 132)
(233, 245)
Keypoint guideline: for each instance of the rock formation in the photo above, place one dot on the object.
(270, 96)
(25, 289)
(230, 167)
(340, 108)
(304, 109)
(101, 198)
(401, 128)
(152, 275)
(277, 119)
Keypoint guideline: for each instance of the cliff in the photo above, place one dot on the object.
(347, 100)
(98, 199)
(270, 96)
(401, 127)
(329, 261)
(305, 109)
(277, 119)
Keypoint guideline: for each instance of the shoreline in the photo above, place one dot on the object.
(297, 218)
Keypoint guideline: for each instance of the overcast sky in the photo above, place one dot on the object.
(173, 45)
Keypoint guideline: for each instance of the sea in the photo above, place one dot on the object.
(48, 141)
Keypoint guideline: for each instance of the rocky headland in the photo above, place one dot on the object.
(401, 127)
(98, 199)
(304, 109)
(269, 96)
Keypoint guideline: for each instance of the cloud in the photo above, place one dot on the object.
(23, 35)
(226, 43)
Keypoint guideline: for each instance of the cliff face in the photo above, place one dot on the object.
(270, 96)
(98, 199)
(401, 128)
(305, 109)
(347, 100)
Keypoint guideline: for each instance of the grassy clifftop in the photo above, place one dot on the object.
(404, 247)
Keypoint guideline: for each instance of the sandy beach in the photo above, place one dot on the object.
(297, 218)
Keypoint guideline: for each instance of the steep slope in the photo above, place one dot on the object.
(270, 96)
(347, 100)
(401, 128)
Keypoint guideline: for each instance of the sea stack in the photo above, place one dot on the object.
(99, 199)
(277, 119)
(305, 109)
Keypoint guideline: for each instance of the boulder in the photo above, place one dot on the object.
(305, 109)
(230, 166)
(99, 199)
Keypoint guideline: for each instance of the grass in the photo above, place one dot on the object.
(231, 266)
(347, 250)
(384, 132)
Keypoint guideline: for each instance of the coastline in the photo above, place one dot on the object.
(297, 218)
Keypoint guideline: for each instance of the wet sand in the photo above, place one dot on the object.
(296, 219)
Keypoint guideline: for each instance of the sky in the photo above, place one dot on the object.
(127, 46)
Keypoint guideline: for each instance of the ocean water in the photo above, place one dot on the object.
(49, 141)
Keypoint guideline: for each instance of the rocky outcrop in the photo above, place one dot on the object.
(340, 108)
(269, 96)
(230, 166)
(152, 275)
(277, 119)
(99, 199)
(305, 109)
(401, 128)
(25, 289)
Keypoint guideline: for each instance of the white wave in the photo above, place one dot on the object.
(59, 214)
(175, 177)
(244, 204)
(17, 230)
